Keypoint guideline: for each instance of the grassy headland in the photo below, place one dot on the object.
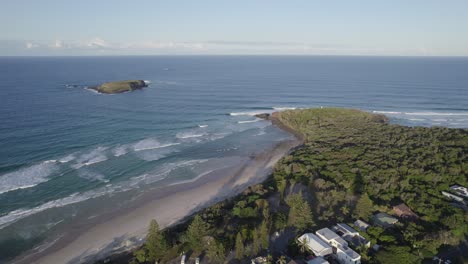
(352, 164)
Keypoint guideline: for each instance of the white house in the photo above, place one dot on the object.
(316, 245)
(318, 260)
(350, 235)
(361, 225)
(341, 250)
(460, 190)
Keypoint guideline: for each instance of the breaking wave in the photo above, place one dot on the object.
(147, 144)
(249, 121)
(74, 198)
(94, 156)
(27, 177)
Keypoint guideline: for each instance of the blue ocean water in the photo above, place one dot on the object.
(63, 146)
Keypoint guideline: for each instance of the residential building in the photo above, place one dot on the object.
(460, 190)
(453, 197)
(404, 212)
(350, 235)
(316, 245)
(318, 260)
(361, 225)
(384, 220)
(341, 250)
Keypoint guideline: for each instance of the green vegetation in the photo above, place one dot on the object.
(352, 164)
(120, 86)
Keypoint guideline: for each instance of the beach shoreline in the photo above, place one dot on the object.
(169, 205)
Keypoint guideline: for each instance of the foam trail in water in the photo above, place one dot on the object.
(250, 113)
(94, 156)
(249, 121)
(27, 177)
(189, 134)
(74, 198)
(147, 144)
(120, 150)
(202, 126)
(280, 108)
(91, 175)
(67, 159)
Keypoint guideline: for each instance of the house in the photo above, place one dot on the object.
(384, 220)
(361, 225)
(460, 190)
(316, 245)
(341, 251)
(453, 197)
(404, 212)
(318, 260)
(350, 235)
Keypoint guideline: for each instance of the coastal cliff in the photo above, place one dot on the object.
(120, 86)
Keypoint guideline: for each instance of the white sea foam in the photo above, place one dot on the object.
(94, 156)
(120, 150)
(280, 108)
(150, 143)
(27, 177)
(250, 113)
(249, 121)
(202, 126)
(423, 113)
(91, 175)
(67, 159)
(189, 134)
(74, 198)
(147, 82)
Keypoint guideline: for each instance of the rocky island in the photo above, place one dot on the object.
(120, 86)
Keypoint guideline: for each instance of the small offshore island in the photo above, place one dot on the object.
(381, 187)
(120, 86)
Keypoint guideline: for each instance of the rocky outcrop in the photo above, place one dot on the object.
(120, 86)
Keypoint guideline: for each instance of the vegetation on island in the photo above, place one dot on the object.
(120, 86)
(352, 164)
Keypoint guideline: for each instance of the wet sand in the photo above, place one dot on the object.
(167, 205)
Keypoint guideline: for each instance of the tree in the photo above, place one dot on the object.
(256, 243)
(195, 233)
(240, 251)
(281, 260)
(264, 235)
(215, 252)
(300, 214)
(302, 243)
(364, 207)
(155, 245)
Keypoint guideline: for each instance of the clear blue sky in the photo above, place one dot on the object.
(117, 27)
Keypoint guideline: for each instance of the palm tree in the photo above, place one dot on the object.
(302, 243)
(281, 260)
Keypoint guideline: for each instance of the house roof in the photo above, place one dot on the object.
(317, 260)
(328, 234)
(460, 190)
(347, 228)
(403, 210)
(351, 253)
(317, 245)
(361, 224)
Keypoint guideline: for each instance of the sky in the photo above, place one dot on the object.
(213, 27)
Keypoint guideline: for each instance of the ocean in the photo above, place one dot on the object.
(67, 153)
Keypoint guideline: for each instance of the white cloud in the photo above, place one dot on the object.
(101, 46)
(97, 43)
(31, 45)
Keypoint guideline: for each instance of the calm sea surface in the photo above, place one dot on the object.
(64, 148)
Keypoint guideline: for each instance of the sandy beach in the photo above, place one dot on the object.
(167, 205)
